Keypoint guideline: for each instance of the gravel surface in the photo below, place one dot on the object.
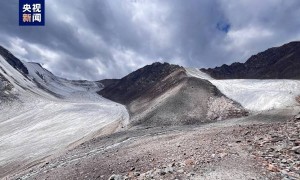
(221, 150)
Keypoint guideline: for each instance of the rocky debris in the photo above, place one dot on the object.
(220, 108)
(199, 165)
(250, 148)
(296, 149)
(199, 157)
(179, 170)
(298, 99)
(191, 154)
(277, 146)
(117, 177)
(184, 104)
(275, 63)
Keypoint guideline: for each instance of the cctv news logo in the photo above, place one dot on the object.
(31, 12)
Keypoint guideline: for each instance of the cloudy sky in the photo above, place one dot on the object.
(96, 39)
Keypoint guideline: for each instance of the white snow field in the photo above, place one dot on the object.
(254, 94)
(43, 122)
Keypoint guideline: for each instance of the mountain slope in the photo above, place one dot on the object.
(137, 83)
(27, 78)
(42, 114)
(163, 94)
(275, 63)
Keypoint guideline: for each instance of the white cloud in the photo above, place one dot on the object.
(16, 47)
(241, 37)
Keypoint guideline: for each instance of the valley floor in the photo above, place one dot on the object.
(260, 146)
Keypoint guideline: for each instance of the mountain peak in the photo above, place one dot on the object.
(137, 82)
(275, 63)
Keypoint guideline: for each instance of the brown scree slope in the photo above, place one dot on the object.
(163, 94)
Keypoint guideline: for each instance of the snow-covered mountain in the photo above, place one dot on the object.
(42, 114)
(34, 79)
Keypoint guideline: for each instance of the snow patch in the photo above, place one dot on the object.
(194, 72)
(254, 94)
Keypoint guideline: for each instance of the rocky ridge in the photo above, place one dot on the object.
(275, 63)
(140, 83)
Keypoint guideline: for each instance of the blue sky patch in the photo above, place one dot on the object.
(223, 26)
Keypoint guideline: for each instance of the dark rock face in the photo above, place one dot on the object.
(138, 82)
(275, 63)
(13, 61)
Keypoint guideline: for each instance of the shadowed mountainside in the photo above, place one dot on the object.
(135, 84)
(275, 63)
